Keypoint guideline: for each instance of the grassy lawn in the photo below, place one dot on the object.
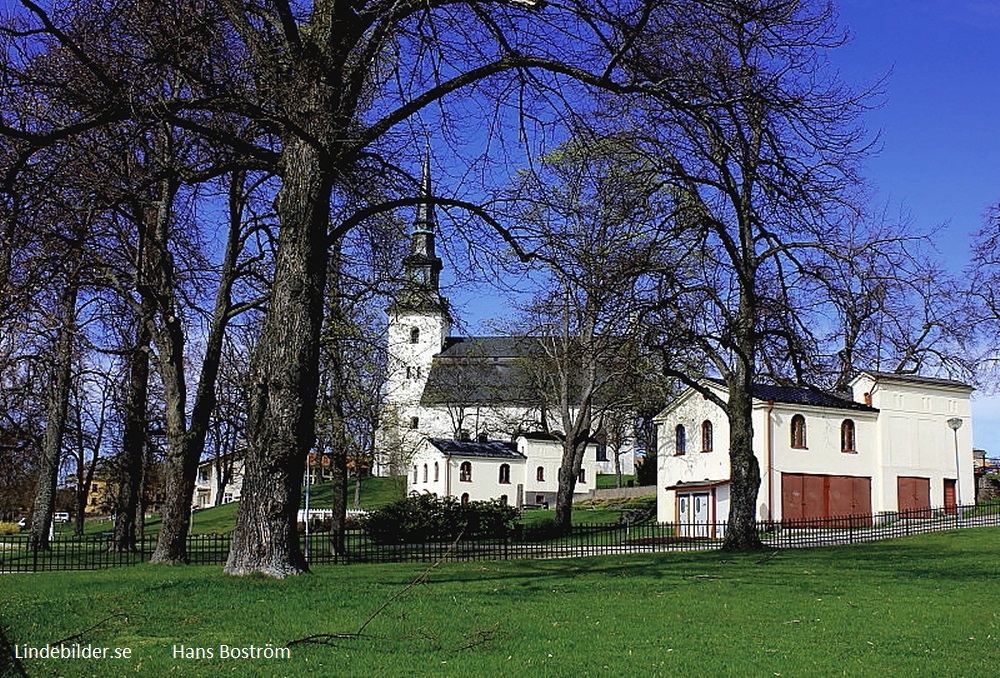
(917, 606)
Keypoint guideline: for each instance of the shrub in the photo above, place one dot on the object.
(427, 517)
(9, 528)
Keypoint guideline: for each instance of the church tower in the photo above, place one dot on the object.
(419, 323)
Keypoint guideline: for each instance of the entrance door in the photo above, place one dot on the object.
(950, 496)
(694, 514)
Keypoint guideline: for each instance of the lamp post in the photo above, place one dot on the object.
(954, 424)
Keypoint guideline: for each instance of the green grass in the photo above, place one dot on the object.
(375, 492)
(921, 606)
(607, 480)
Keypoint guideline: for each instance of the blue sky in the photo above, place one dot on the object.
(939, 158)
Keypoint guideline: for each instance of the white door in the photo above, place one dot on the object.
(693, 514)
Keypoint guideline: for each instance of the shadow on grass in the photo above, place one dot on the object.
(10, 665)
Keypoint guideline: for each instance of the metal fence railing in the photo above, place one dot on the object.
(94, 552)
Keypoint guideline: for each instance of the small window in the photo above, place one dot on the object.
(503, 499)
(602, 452)
(581, 477)
(847, 437)
(414, 422)
(414, 473)
(465, 499)
(465, 472)
(680, 440)
(540, 474)
(540, 499)
(425, 473)
(436, 474)
(505, 474)
(414, 335)
(706, 436)
(799, 432)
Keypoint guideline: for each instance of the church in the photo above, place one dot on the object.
(461, 389)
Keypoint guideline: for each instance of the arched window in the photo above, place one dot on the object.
(414, 473)
(706, 436)
(436, 473)
(680, 440)
(425, 473)
(847, 441)
(505, 474)
(414, 335)
(581, 477)
(465, 499)
(799, 432)
(465, 472)
(540, 474)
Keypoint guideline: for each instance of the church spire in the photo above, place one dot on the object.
(422, 268)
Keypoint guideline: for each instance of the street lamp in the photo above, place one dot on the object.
(954, 424)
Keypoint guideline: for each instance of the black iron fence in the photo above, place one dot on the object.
(94, 552)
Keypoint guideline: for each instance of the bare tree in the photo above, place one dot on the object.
(759, 146)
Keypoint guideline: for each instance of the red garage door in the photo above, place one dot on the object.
(806, 497)
(914, 496)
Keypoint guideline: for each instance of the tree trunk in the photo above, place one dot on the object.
(281, 422)
(133, 438)
(741, 532)
(55, 425)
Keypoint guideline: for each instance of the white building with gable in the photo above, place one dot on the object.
(895, 443)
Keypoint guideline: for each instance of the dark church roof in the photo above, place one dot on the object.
(493, 449)
(483, 371)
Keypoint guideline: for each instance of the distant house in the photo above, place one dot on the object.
(518, 473)
(894, 443)
(219, 481)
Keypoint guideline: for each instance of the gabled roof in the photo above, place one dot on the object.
(792, 395)
(807, 395)
(914, 379)
(491, 449)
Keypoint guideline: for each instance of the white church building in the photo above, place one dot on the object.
(463, 389)
(895, 443)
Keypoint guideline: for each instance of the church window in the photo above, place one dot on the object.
(540, 474)
(581, 477)
(414, 335)
(465, 472)
(505, 474)
(436, 472)
(680, 440)
(706, 436)
(799, 432)
(425, 473)
(414, 422)
(465, 499)
(414, 473)
(847, 437)
(409, 372)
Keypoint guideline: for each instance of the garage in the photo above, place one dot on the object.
(806, 497)
(914, 495)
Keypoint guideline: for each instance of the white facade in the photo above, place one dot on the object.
(898, 439)
(525, 472)
(206, 488)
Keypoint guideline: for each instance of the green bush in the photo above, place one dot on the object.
(9, 528)
(428, 517)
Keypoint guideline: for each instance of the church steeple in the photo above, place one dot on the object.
(422, 268)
